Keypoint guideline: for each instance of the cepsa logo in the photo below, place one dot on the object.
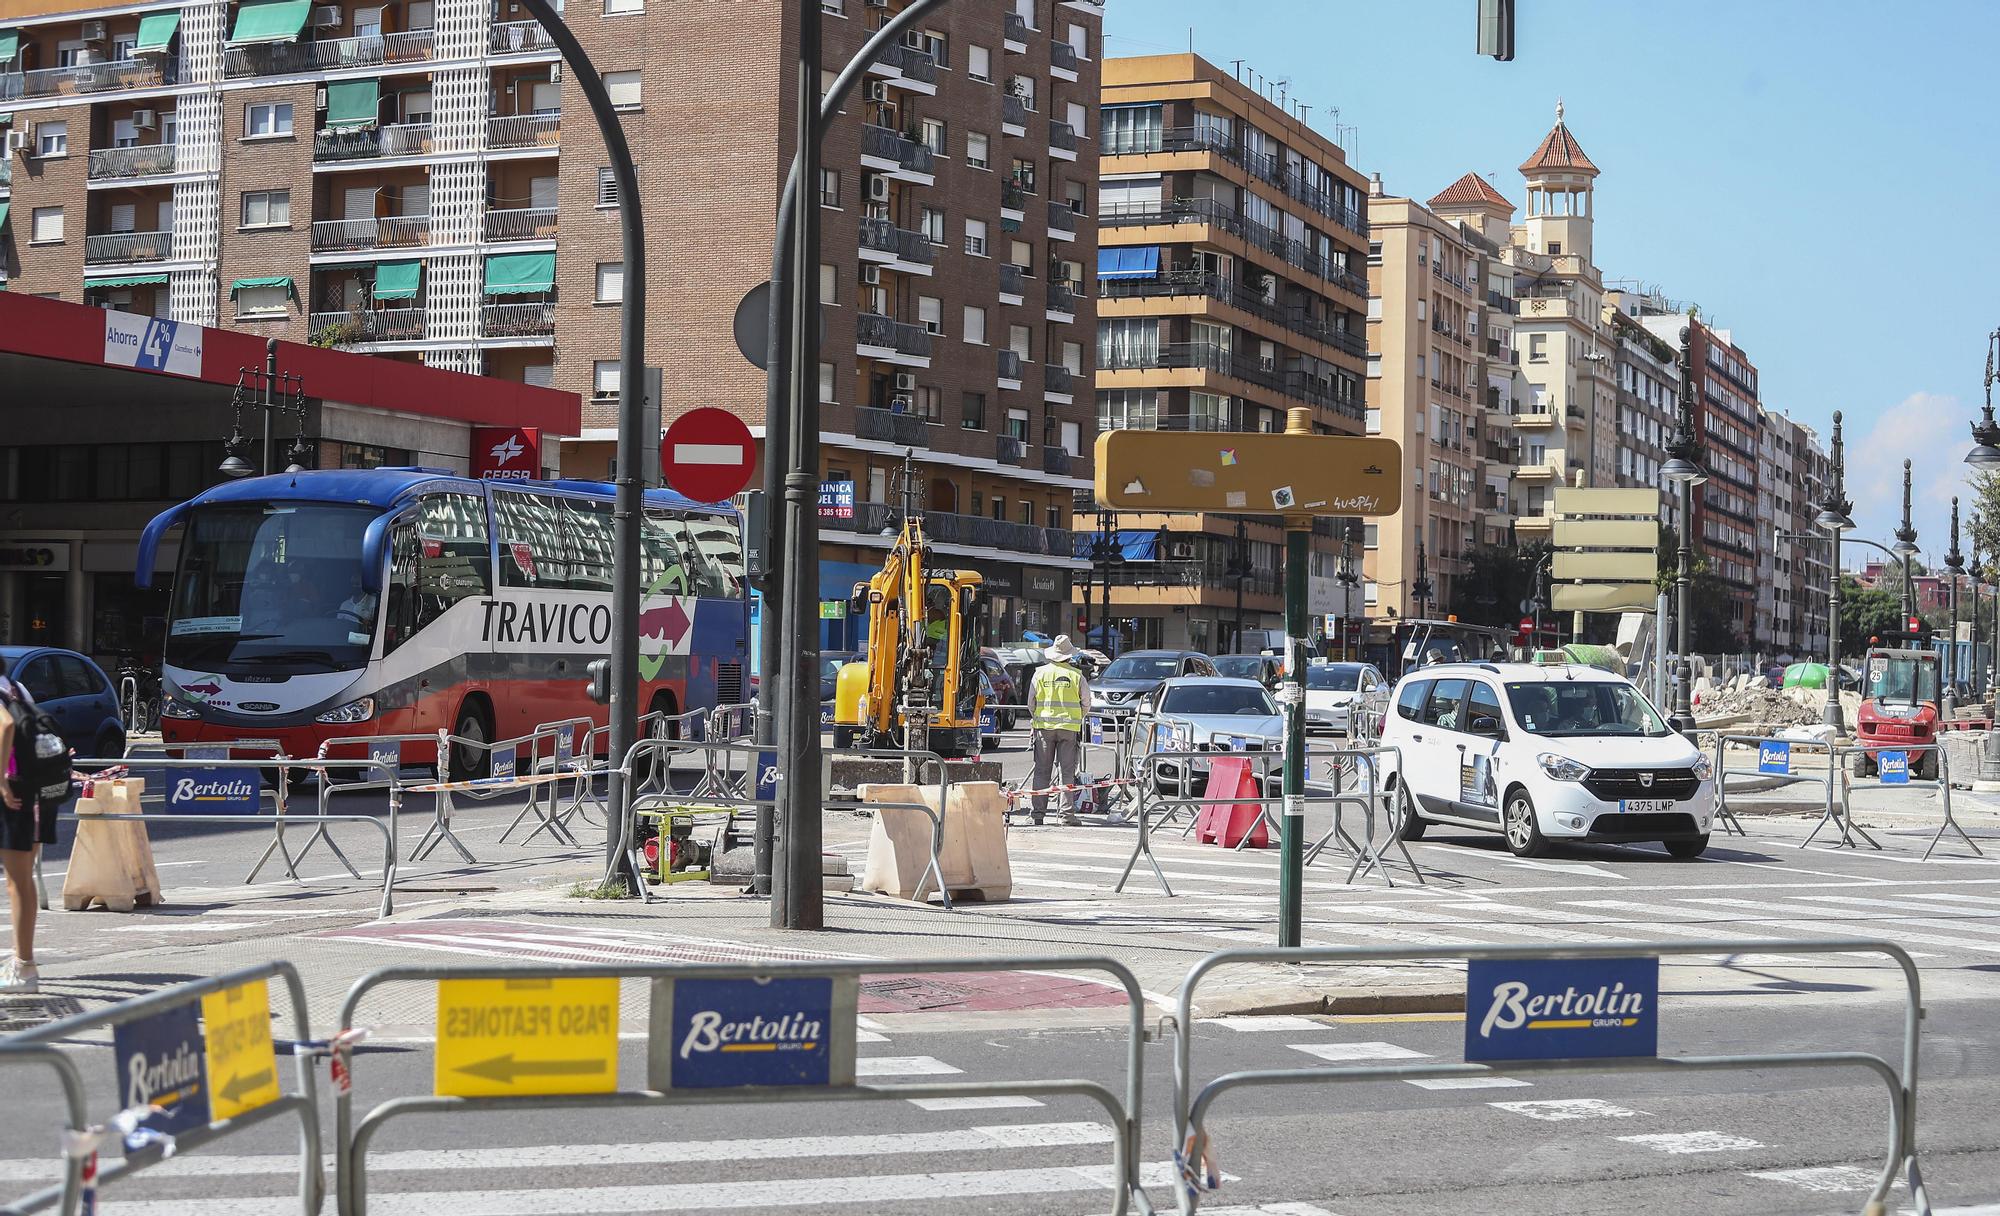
(506, 453)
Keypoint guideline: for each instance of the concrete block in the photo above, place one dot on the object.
(973, 855)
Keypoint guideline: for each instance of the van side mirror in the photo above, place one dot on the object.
(1485, 724)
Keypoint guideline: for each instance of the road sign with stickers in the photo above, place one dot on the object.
(1265, 474)
(242, 1064)
(521, 1037)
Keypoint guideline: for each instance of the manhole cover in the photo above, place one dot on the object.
(918, 993)
(27, 1012)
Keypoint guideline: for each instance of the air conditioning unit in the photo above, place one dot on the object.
(93, 31)
(871, 274)
(555, 72)
(145, 120)
(17, 141)
(906, 382)
(1180, 550)
(878, 90)
(913, 40)
(878, 188)
(326, 16)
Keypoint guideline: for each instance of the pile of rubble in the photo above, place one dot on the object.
(1750, 698)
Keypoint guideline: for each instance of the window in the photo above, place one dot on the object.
(826, 385)
(604, 378)
(1079, 39)
(979, 63)
(1017, 341)
(124, 217)
(972, 416)
(1128, 409)
(263, 301)
(436, 560)
(265, 119)
(124, 134)
(930, 311)
(977, 150)
(975, 238)
(930, 404)
(998, 507)
(837, 8)
(934, 136)
(51, 139)
(614, 7)
(1023, 87)
(1023, 175)
(1074, 196)
(1538, 348)
(1073, 114)
(975, 325)
(933, 225)
(937, 48)
(1017, 425)
(607, 187)
(610, 282)
(46, 225)
(545, 97)
(829, 187)
(1027, 513)
(1022, 254)
(624, 89)
(267, 209)
(1130, 128)
(1072, 358)
(829, 283)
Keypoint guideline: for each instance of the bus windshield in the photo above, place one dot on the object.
(272, 584)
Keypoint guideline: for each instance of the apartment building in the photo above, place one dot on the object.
(1647, 375)
(1232, 288)
(1787, 598)
(421, 179)
(1442, 380)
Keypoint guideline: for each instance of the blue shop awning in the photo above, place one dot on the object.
(1128, 262)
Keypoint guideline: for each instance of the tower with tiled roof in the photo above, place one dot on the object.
(1560, 183)
(1473, 201)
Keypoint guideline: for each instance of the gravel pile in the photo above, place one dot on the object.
(1777, 707)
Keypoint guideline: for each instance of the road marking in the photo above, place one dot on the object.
(1681, 1143)
(1824, 1180)
(902, 1066)
(1909, 904)
(1047, 1135)
(1282, 1021)
(190, 927)
(1467, 1082)
(1348, 1052)
(1566, 867)
(988, 1102)
(1567, 1110)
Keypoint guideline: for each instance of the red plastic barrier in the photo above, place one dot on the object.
(1225, 823)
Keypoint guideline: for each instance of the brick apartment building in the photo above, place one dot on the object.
(400, 179)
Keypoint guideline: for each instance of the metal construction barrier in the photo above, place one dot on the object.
(1192, 1108)
(508, 772)
(1894, 766)
(1776, 765)
(804, 1012)
(196, 1081)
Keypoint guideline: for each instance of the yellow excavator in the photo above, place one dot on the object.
(919, 685)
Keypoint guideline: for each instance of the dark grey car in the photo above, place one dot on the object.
(1134, 674)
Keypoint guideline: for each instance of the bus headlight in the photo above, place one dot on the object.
(353, 711)
(174, 707)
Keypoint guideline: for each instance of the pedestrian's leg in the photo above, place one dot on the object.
(1045, 754)
(18, 974)
(1066, 761)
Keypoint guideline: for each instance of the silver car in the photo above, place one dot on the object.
(1332, 691)
(1204, 714)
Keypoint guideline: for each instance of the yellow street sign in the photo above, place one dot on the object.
(1606, 567)
(1607, 534)
(1259, 474)
(1604, 597)
(1585, 500)
(242, 1065)
(516, 1037)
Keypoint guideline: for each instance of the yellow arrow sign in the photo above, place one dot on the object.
(1259, 474)
(515, 1037)
(242, 1065)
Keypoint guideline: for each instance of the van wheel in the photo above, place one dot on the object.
(467, 763)
(1409, 825)
(1687, 850)
(1524, 834)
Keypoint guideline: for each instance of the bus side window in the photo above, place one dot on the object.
(587, 526)
(533, 549)
(399, 622)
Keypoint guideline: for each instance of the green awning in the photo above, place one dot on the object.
(3, 211)
(283, 280)
(127, 280)
(156, 30)
(269, 20)
(520, 274)
(397, 280)
(10, 44)
(353, 103)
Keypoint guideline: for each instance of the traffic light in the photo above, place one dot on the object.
(599, 673)
(1496, 29)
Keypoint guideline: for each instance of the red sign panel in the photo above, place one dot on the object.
(708, 454)
(507, 453)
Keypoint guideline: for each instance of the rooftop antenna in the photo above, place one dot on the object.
(1236, 66)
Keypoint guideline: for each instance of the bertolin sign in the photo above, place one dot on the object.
(725, 1033)
(1552, 1009)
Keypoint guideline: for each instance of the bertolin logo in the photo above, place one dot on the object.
(218, 789)
(150, 1082)
(1607, 1007)
(708, 1032)
(1774, 753)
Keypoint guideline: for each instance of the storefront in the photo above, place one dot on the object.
(1046, 592)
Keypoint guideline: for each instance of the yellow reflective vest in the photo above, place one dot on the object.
(1056, 697)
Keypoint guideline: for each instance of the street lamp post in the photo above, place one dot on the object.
(1977, 571)
(1239, 569)
(1906, 547)
(1834, 520)
(276, 392)
(1683, 470)
(1348, 580)
(1954, 561)
(1985, 453)
(1420, 589)
(1107, 521)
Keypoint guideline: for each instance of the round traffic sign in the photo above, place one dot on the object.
(708, 454)
(1527, 624)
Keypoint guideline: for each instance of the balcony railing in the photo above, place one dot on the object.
(518, 37)
(1062, 135)
(388, 232)
(149, 72)
(1055, 378)
(329, 54)
(1188, 282)
(1012, 197)
(1015, 28)
(870, 518)
(1012, 279)
(1010, 365)
(6, 173)
(1010, 449)
(1056, 461)
(360, 325)
(1061, 299)
(131, 162)
(128, 246)
(1063, 55)
(1229, 147)
(530, 320)
(522, 224)
(523, 130)
(366, 143)
(887, 426)
(884, 237)
(1013, 111)
(1061, 218)
(1235, 223)
(911, 62)
(873, 329)
(886, 144)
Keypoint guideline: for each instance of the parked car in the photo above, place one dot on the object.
(1133, 675)
(1333, 689)
(1204, 713)
(1001, 691)
(75, 692)
(1263, 668)
(1543, 754)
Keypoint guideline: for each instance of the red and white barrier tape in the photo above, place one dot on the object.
(1017, 795)
(88, 781)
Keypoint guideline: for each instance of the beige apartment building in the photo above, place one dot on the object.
(420, 179)
(1232, 289)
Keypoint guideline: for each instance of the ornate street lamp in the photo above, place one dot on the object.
(1421, 590)
(1954, 561)
(1683, 470)
(1985, 453)
(1833, 518)
(1906, 547)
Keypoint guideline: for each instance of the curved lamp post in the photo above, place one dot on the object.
(1683, 471)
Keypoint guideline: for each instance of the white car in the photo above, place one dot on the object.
(1543, 754)
(1332, 690)
(1204, 714)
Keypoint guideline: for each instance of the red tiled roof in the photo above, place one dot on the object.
(1470, 190)
(1559, 151)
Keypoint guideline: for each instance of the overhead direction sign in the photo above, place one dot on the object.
(728, 1033)
(1606, 549)
(708, 454)
(242, 1064)
(1260, 474)
(520, 1037)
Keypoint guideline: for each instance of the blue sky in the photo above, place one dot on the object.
(1818, 175)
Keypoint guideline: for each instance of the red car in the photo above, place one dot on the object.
(1006, 693)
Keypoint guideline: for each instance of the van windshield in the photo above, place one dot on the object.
(1583, 707)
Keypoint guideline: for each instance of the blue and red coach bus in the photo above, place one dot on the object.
(399, 601)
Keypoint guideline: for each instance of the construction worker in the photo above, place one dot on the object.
(1059, 699)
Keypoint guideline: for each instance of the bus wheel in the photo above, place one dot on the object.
(472, 723)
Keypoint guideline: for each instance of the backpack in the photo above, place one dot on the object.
(41, 758)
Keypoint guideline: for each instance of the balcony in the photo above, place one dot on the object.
(1010, 449)
(912, 63)
(112, 163)
(1062, 220)
(152, 71)
(1015, 199)
(367, 143)
(1010, 368)
(972, 531)
(900, 244)
(1014, 32)
(1504, 303)
(1576, 414)
(1226, 145)
(1544, 470)
(523, 130)
(1056, 379)
(1214, 214)
(521, 224)
(1056, 462)
(518, 38)
(536, 319)
(1012, 281)
(386, 232)
(1013, 113)
(361, 325)
(327, 55)
(887, 333)
(1063, 58)
(1061, 301)
(884, 144)
(1062, 140)
(1189, 282)
(887, 426)
(128, 247)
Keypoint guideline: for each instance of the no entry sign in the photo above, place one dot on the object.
(708, 454)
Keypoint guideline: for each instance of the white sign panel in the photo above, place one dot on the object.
(151, 344)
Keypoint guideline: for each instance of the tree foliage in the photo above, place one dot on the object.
(1710, 630)
(1867, 612)
(1497, 579)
